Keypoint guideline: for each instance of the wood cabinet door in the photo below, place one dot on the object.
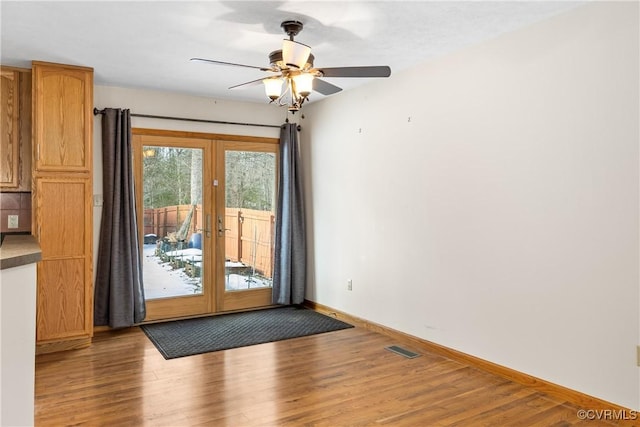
(63, 117)
(63, 227)
(9, 108)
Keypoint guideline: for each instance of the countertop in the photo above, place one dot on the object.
(17, 250)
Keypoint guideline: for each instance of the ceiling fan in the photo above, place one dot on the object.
(292, 66)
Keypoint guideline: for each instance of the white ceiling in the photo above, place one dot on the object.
(147, 44)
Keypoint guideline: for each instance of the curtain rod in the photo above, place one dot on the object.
(149, 116)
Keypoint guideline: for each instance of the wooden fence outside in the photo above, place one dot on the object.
(249, 238)
(162, 221)
(249, 234)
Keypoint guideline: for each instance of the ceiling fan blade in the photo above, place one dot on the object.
(325, 88)
(256, 82)
(372, 71)
(211, 61)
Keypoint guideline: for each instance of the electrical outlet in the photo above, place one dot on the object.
(349, 285)
(12, 221)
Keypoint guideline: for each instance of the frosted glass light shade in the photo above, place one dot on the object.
(295, 54)
(304, 84)
(273, 88)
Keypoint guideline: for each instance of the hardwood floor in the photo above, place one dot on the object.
(343, 378)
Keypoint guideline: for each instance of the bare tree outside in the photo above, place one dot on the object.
(250, 180)
(167, 176)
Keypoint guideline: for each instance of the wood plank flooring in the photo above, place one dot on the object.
(343, 378)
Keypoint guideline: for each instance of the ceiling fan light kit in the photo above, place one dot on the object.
(273, 87)
(295, 54)
(295, 71)
(303, 84)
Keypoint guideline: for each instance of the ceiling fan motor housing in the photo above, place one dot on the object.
(275, 59)
(292, 28)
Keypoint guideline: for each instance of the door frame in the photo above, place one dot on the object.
(214, 298)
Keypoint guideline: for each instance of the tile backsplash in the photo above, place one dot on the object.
(17, 204)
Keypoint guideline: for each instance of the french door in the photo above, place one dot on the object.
(246, 223)
(206, 215)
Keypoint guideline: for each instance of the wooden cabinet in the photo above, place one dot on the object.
(62, 117)
(62, 200)
(64, 294)
(15, 129)
(10, 144)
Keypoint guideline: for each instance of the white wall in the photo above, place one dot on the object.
(177, 105)
(488, 201)
(17, 347)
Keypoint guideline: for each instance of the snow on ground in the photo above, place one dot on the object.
(237, 282)
(161, 280)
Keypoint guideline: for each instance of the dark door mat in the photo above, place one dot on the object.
(181, 338)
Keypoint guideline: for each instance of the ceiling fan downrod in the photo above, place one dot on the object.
(292, 28)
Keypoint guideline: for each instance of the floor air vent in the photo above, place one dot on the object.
(402, 351)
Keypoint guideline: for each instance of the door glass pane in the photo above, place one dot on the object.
(249, 219)
(172, 201)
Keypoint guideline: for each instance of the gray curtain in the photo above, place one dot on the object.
(289, 273)
(119, 294)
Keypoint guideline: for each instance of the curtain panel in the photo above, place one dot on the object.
(119, 293)
(290, 264)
